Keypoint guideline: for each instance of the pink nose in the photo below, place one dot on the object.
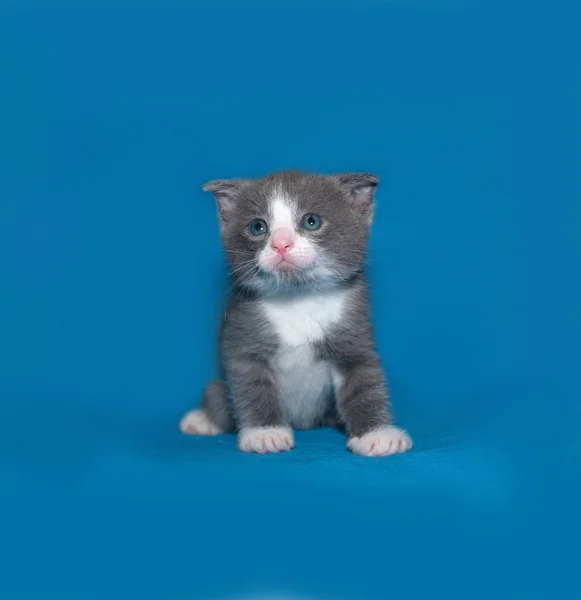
(281, 240)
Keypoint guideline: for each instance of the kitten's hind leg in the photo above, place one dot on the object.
(213, 417)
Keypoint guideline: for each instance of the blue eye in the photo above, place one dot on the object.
(311, 222)
(257, 227)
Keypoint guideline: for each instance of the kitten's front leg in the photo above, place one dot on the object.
(261, 423)
(363, 405)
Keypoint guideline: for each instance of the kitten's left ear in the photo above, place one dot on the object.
(360, 191)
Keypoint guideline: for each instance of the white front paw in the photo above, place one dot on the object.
(266, 439)
(196, 422)
(381, 442)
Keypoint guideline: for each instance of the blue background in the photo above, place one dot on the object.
(112, 115)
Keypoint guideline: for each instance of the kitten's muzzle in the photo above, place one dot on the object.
(281, 240)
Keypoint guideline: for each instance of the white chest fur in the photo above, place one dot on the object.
(298, 321)
(304, 383)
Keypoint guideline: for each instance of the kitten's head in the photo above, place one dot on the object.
(290, 230)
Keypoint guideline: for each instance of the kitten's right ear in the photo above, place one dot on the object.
(226, 193)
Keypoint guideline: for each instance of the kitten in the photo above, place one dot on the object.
(297, 346)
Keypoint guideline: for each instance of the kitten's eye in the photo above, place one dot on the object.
(257, 227)
(312, 222)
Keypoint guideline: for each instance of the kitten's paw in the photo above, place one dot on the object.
(196, 422)
(381, 442)
(266, 439)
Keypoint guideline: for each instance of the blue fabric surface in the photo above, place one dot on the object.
(112, 115)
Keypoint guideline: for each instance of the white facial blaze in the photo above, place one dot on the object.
(283, 215)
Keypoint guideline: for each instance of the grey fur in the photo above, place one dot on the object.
(215, 404)
(250, 397)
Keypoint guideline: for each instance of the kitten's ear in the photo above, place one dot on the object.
(226, 193)
(360, 191)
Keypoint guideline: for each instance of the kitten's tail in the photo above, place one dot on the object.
(214, 416)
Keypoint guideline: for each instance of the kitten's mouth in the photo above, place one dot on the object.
(285, 264)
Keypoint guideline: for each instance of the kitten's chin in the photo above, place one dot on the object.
(286, 266)
(293, 279)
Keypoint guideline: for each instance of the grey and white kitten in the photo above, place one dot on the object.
(297, 345)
